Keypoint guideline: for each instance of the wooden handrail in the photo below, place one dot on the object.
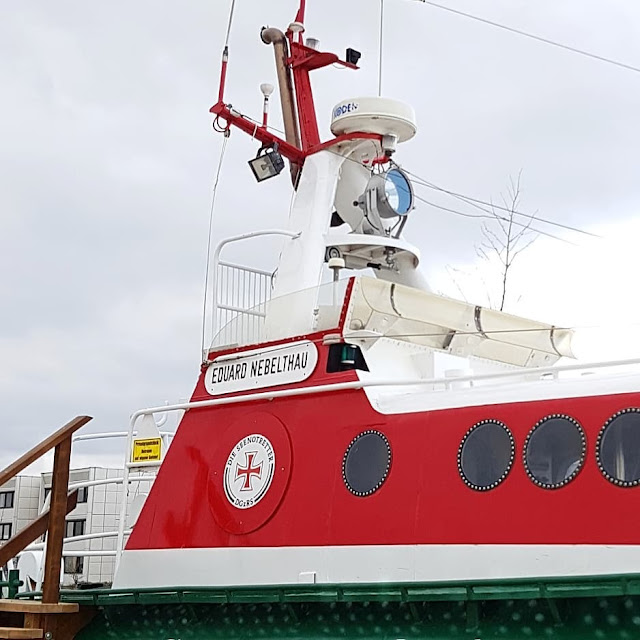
(39, 450)
(61, 504)
(31, 532)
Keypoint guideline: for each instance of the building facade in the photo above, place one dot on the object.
(94, 521)
(19, 504)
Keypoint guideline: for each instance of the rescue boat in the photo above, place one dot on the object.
(362, 457)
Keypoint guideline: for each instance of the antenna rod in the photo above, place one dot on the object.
(225, 52)
(223, 72)
(300, 14)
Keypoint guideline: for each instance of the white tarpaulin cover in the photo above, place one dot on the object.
(462, 328)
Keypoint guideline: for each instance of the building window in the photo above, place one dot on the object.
(73, 565)
(75, 528)
(5, 531)
(83, 494)
(485, 455)
(618, 448)
(6, 499)
(366, 463)
(554, 451)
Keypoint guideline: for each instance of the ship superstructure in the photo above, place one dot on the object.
(365, 429)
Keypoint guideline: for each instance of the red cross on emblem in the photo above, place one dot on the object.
(248, 471)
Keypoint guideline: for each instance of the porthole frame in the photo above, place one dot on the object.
(364, 494)
(626, 484)
(512, 457)
(583, 451)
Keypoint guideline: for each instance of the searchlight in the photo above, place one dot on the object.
(388, 195)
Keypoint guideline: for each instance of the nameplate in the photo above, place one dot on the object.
(275, 366)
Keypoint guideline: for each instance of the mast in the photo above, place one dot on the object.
(294, 62)
(332, 176)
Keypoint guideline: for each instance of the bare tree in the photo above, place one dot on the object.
(506, 235)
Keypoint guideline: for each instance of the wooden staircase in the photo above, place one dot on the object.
(47, 618)
(32, 619)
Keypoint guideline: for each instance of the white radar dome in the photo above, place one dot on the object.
(374, 115)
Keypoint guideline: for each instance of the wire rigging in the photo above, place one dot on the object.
(532, 36)
(380, 38)
(488, 215)
(492, 217)
(471, 200)
(209, 238)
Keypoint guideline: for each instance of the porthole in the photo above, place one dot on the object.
(554, 451)
(618, 448)
(485, 455)
(366, 463)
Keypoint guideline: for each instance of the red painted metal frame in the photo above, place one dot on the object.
(260, 133)
(302, 60)
(223, 74)
(266, 137)
(345, 137)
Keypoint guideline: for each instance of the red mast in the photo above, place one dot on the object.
(299, 61)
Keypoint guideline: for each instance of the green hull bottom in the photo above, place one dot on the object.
(604, 607)
(577, 618)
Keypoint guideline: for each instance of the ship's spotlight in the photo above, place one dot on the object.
(267, 164)
(395, 194)
(388, 195)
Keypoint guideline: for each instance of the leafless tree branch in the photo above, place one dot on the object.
(506, 239)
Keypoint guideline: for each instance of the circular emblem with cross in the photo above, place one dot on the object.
(249, 471)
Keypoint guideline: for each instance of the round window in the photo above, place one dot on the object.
(618, 448)
(485, 455)
(366, 463)
(554, 451)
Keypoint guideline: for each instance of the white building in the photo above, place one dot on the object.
(19, 504)
(94, 520)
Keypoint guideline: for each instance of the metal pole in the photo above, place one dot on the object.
(125, 492)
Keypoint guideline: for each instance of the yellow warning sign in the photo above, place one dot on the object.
(148, 450)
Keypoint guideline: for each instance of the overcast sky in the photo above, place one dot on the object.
(107, 157)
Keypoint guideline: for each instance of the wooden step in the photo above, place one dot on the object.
(35, 606)
(16, 633)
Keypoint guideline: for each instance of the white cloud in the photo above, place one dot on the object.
(107, 159)
(589, 286)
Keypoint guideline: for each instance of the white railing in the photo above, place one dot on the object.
(239, 295)
(70, 543)
(242, 295)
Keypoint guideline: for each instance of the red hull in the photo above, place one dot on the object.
(423, 500)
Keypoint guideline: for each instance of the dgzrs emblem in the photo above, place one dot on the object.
(249, 471)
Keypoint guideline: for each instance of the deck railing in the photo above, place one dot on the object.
(238, 295)
(242, 296)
